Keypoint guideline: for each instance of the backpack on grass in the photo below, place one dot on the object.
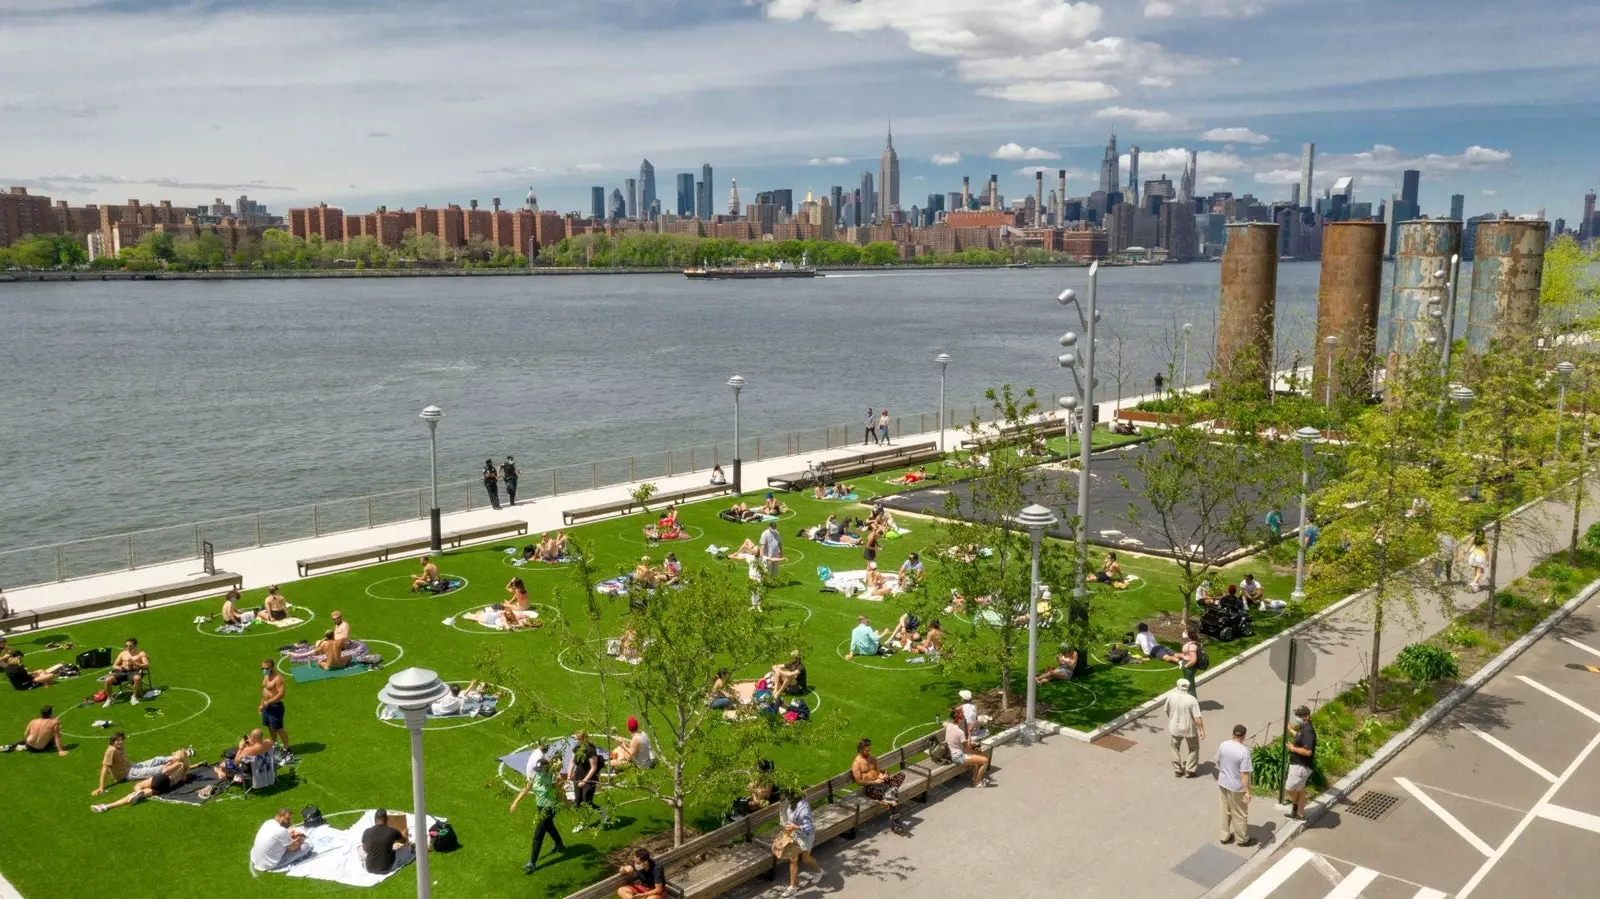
(442, 837)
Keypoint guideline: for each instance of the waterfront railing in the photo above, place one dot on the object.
(175, 543)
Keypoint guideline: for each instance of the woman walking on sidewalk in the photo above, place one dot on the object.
(491, 482)
(795, 839)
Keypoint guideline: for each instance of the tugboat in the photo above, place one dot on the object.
(752, 271)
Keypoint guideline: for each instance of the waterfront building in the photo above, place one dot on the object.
(647, 190)
(866, 203)
(597, 203)
(1588, 225)
(888, 178)
(1308, 154)
(686, 195)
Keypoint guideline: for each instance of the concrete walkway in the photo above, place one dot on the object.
(1074, 819)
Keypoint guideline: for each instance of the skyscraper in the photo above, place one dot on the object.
(888, 179)
(866, 206)
(532, 203)
(1133, 174)
(703, 205)
(1587, 225)
(1458, 206)
(686, 195)
(733, 198)
(1308, 153)
(630, 192)
(836, 194)
(597, 203)
(1409, 180)
(619, 206)
(647, 189)
(1110, 168)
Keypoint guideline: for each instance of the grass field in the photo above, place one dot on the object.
(350, 760)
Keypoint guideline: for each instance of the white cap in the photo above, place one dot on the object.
(966, 695)
(1183, 684)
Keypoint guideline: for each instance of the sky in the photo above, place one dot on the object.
(404, 102)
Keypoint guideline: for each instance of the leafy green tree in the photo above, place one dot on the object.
(1568, 287)
(247, 253)
(205, 251)
(880, 252)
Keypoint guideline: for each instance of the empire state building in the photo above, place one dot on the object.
(888, 180)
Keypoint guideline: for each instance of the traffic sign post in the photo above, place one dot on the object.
(1295, 671)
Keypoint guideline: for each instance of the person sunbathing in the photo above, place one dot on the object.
(958, 603)
(772, 507)
(671, 570)
(635, 751)
(40, 735)
(913, 476)
(1146, 642)
(24, 678)
(932, 641)
(462, 700)
(837, 534)
(1110, 573)
(644, 575)
(275, 607)
(331, 649)
(747, 551)
(628, 648)
(905, 630)
(560, 547)
(172, 775)
(1066, 666)
(546, 550)
(723, 695)
(668, 524)
(237, 765)
(428, 577)
(790, 675)
(230, 609)
(519, 593)
(911, 571)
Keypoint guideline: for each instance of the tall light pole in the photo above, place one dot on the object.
(1087, 317)
(1037, 519)
(1309, 438)
(431, 415)
(413, 691)
(943, 360)
(1188, 328)
(1564, 372)
(1331, 341)
(1463, 397)
(737, 383)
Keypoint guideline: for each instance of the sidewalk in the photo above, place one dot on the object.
(1070, 818)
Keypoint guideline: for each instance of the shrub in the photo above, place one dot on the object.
(1554, 571)
(1266, 763)
(1591, 537)
(1423, 664)
(1459, 634)
(642, 493)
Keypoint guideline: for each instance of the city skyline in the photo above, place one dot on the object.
(1033, 82)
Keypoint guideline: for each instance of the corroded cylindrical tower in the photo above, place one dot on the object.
(1245, 308)
(1347, 305)
(1507, 268)
(1421, 282)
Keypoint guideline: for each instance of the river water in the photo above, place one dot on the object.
(136, 405)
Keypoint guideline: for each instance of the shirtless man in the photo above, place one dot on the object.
(115, 767)
(275, 606)
(41, 733)
(271, 705)
(876, 784)
(131, 665)
(250, 746)
(430, 573)
(341, 627)
(332, 650)
(172, 774)
(230, 609)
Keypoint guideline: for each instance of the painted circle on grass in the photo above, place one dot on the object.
(904, 666)
(1077, 687)
(196, 707)
(1143, 667)
(510, 561)
(789, 602)
(1136, 586)
(927, 728)
(479, 630)
(618, 669)
(635, 536)
(310, 615)
(506, 692)
(389, 592)
(400, 652)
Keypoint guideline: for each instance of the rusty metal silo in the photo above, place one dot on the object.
(1347, 305)
(1245, 308)
(1507, 268)
(1423, 252)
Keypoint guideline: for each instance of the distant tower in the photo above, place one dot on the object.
(966, 192)
(994, 193)
(1458, 206)
(1038, 199)
(888, 178)
(1133, 175)
(703, 193)
(619, 206)
(1110, 167)
(866, 207)
(1061, 196)
(1187, 182)
(733, 198)
(630, 195)
(647, 189)
(1308, 154)
(532, 203)
(1587, 225)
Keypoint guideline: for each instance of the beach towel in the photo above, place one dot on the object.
(336, 854)
(854, 583)
(616, 586)
(835, 543)
(847, 497)
(188, 792)
(307, 653)
(491, 618)
(291, 621)
(305, 674)
(562, 748)
(470, 708)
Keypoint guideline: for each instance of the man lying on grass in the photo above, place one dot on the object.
(115, 767)
(172, 775)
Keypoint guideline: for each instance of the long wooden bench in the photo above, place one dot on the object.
(1013, 433)
(740, 852)
(659, 500)
(137, 599)
(387, 551)
(860, 464)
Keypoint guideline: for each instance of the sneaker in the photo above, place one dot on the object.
(790, 891)
(1226, 840)
(108, 702)
(98, 808)
(528, 868)
(1246, 844)
(132, 699)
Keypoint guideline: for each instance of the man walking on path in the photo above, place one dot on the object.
(1233, 779)
(1302, 744)
(1186, 728)
(542, 783)
(509, 472)
(872, 428)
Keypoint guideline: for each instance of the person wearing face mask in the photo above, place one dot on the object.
(271, 707)
(1302, 744)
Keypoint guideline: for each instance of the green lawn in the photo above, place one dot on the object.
(351, 760)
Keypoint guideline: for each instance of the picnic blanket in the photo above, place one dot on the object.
(188, 792)
(305, 674)
(336, 854)
(491, 618)
(846, 497)
(305, 652)
(854, 583)
(470, 708)
(836, 543)
(251, 618)
(564, 748)
(616, 586)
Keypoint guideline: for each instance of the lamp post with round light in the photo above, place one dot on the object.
(1309, 438)
(1564, 372)
(1037, 519)
(737, 383)
(943, 361)
(1088, 316)
(431, 415)
(412, 691)
(1463, 397)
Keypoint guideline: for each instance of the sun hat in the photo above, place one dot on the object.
(966, 695)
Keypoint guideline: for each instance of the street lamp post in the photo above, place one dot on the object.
(1084, 402)
(943, 359)
(1331, 341)
(1037, 519)
(1188, 328)
(431, 415)
(737, 383)
(1463, 397)
(1308, 437)
(413, 691)
(1564, 372)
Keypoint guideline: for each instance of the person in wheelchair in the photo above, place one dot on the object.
(1228, 617)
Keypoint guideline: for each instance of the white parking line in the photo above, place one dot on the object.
(1276, 875)
(1351, 886)
(1588, 649)
(1526, 762)
(1429, 893)
(1559, 698)
(1449, 819)
(1570, 816)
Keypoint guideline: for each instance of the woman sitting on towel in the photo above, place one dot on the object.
(628, 647)
(932, 641)
(644, 575)
(772, 506)
(558, 548)
(230, 609)
(836, 533)
(275, 606)
(904, 635)
(878, 586)
(331, 649)
(668, 524)
(671, 569)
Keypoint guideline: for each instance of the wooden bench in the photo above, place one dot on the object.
(483, 532)
(389, 551)
(1013, 433)
(659, 500)
(137, 599)
(864, 463)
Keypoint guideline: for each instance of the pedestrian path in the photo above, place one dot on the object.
(1303, 874)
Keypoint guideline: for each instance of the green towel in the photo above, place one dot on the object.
(305, 674)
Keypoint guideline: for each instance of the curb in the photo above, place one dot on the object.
(1363, 772)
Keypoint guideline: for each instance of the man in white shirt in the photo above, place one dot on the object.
(1185, 728)
(277, 845)
(1251, 590)
(1147, 644)
(1233, 779)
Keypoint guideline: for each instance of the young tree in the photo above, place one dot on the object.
(1293, 334)
(1387, 509)
(1118, 362)
(987, 560)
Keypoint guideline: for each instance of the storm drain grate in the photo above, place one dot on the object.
(1373, 805)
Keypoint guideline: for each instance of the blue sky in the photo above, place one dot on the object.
(405, 102)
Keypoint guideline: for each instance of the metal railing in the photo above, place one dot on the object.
(174, 543)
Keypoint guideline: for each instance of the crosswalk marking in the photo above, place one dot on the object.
(1588, 649)
(1351, 886)
(1526, 762)
(1347, 886)
(1277, 874)
(1450, 820)
(1429, 893)
(1559, 698)
(1570, 816)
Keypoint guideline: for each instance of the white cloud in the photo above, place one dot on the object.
(945, 158)
(1279, 176)
(1144, 119)
(1107, 57)
(1053, 92)
(827, 160)
(1155, 81)
(591, 167)
(1234, 136)
(1213, 181)
(1383, 159)
(1017, 151)
(1171, 160)
(961, 29)
(1488, 192)
(1228, 9)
